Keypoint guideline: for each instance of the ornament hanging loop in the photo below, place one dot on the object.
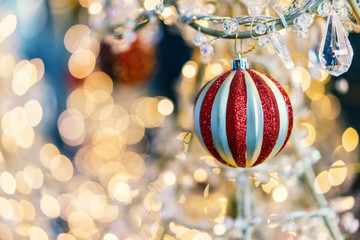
(252, 46)
(235, 45)
(241, 63)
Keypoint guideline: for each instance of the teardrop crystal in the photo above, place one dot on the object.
(335, 51)
(281, 49)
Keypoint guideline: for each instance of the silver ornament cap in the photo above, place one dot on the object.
(239, 64)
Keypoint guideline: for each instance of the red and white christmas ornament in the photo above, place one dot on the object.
(243, 117)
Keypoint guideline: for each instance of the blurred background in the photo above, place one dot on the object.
(96, 130)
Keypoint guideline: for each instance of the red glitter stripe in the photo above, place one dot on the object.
(271, 116)
(236, 118)
(205, 116)
(289, 109)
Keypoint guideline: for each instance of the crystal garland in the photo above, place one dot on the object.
(298, 16)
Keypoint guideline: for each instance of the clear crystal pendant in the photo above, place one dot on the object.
(281, 49)
(335, 51)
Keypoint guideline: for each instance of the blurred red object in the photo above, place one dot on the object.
(134, 66)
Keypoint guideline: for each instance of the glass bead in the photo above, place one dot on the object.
(296, 23)
(305, 20)
(254, 9)
(260, 28)
(264, 41)
(303, 33)
(231, 26)
(308, 19)
(199, 39)
(206, 49)
(337, 4)
(324, 9)
(159, 8)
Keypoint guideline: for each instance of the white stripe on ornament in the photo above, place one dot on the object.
(254, 122)
(197, 108)
(218, 121)
(283, 114)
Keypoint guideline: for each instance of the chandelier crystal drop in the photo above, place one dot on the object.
(335, 53)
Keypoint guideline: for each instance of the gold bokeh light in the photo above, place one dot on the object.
(82, 63)
(350, 139)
